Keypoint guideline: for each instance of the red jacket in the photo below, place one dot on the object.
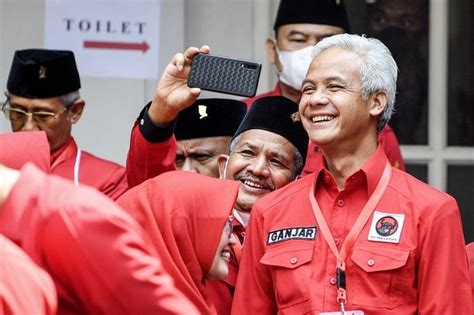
(287, 267)
(24, 287)
(106, 176)
(148, 159)
(98, 256)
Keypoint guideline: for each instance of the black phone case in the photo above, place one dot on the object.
(224, 75)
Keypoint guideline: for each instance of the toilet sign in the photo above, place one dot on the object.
(110, 38)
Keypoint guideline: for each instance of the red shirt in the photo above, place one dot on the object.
(424, 273)
(106, 176)
(24, 287)
(98, 256)
(387, 139)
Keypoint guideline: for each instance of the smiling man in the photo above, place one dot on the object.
(381, 241)
(267, 152)
(298, 26)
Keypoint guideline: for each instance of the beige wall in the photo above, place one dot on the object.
(236, 28)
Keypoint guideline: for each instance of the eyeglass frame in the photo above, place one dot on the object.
(230, 223)
(53, 116)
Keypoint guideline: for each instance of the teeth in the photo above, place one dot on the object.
(225, 254)
(252, 184)
(322, 118)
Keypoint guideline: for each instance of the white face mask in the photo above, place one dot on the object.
(295, 65)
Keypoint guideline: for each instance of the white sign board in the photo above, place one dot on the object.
(110, 38)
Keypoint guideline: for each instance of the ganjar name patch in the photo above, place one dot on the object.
(294, 233)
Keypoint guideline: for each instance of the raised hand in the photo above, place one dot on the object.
(172, 93)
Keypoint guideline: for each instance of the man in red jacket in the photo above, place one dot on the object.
(43, 94)
(299, 25)
(357, 235)
(265, 154)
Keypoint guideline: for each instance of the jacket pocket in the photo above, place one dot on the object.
(379, 276)
(291, 271)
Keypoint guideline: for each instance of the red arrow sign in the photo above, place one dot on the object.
(143, 46)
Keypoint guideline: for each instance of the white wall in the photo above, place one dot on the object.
(235, 28)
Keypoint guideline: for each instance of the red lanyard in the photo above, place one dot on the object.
(350, 239)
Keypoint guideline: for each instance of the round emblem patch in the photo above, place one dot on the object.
(386, 226)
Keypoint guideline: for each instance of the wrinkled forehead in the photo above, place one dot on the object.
(52, 103)
(264, 140)
(221, 143)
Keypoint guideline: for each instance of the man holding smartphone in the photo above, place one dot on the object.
(299, 25)
(265, 155)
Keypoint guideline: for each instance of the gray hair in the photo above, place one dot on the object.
(298, 158)
(378, 71)
(69, 98)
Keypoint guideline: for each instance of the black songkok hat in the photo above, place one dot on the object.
(43, 73)
(328, 12)
(210, 117)
(279, 115)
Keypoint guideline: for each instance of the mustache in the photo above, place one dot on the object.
(262, 181)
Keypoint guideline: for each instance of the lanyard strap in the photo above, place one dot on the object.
(351, 237)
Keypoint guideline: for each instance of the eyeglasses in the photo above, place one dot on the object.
(19, 116)
(230, 224)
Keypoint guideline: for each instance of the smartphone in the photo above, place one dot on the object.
(224, 75)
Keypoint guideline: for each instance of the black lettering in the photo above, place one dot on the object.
(84, 25)
(309, 233)
(126, 27)
(302, 233)
(68, 23)
(109, 27)
(97, 26)
(141, 25)
(280, 235)
(273, 237)
(287, 233)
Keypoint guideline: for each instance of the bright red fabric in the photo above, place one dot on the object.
(24, 287)
(146, 159)
(184, 214)
(106, 176)
(18, 148)
(425, 273)
(101, 261)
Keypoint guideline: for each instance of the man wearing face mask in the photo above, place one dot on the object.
(299, 25)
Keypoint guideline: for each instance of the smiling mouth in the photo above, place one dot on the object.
(322, 118)
(255, 185)
(225, 254)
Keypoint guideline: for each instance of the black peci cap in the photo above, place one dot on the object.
(211, 117)
(279, 115)
(327, 12)
(43, 73)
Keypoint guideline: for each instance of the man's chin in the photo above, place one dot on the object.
(246, 202)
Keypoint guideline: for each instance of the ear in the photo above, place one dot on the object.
(378, 102)
(272, 53)
(221, 162)
(75, 111)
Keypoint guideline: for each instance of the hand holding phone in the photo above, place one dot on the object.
(224, 75)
